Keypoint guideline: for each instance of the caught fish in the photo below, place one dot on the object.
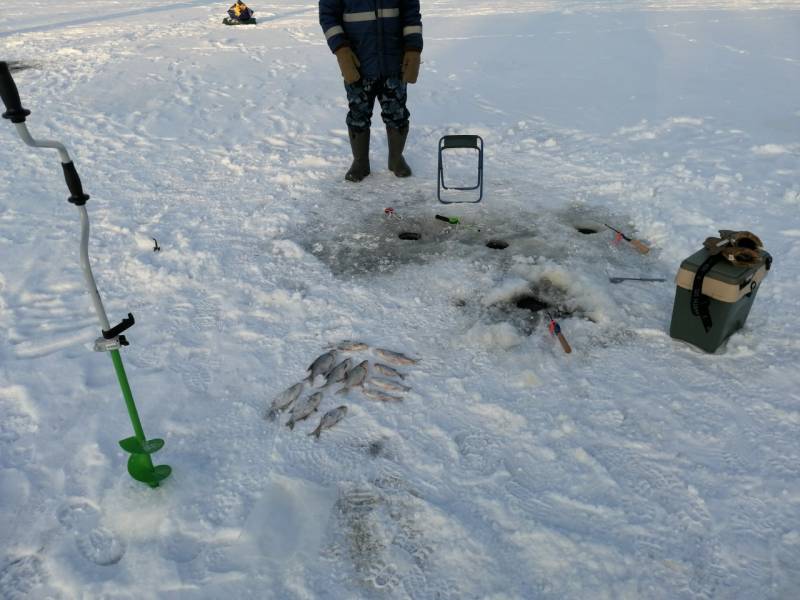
(388, 371)
(283, 400)
(388, 385)
(329, 419)
(377, 395)
(303, 409)
(351, 346)
(321, 366)
(355, 377)
(395, 357)
(339, 372)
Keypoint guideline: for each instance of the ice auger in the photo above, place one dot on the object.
(140, 464)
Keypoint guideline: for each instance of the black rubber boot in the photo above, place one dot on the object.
(359, 142)
(397, 141)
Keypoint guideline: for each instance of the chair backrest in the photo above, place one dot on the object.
(461, 141)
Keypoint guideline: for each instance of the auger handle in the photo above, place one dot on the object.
(8, 91)
(78, 197)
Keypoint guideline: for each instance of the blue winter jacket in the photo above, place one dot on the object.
(378, 31)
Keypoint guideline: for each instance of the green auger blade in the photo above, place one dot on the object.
(133, 446)
(141, 469)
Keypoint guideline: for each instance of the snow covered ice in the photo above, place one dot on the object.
(635, 468)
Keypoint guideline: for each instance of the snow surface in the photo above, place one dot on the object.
(636, 467)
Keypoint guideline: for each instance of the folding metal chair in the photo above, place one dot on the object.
(460, 141)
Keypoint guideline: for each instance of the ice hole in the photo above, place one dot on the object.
(532, 303)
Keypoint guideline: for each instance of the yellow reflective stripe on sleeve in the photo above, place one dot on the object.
(412, 29)
(335, 30)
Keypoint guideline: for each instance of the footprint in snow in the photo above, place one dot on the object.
(101, 546)
(180, 548)
(20, 576)
(78, 515)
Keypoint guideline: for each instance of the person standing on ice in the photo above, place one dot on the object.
(378, 45)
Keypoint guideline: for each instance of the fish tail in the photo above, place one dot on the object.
(290, 424)
(316, 433)
(272, 414)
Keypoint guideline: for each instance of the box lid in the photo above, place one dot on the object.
(725, 281)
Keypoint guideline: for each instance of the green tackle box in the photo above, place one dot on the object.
(727, 293)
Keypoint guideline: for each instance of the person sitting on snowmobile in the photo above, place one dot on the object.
(240, 12)
(378, 45)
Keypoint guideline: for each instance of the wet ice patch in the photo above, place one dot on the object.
(379, 244)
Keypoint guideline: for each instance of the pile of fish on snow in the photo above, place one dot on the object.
(347, 377)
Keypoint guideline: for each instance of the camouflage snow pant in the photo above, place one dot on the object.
(390, 92)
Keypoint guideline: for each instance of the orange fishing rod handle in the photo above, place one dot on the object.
(640, 246)
(564, 344)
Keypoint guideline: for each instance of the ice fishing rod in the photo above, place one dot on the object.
(638, 244)
(140, 465)
(621, 279)
(456, 221)
(555, 331)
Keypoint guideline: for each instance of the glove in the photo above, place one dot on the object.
(410, 69)
(348, 63)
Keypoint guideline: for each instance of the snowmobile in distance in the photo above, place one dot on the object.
(239, 14)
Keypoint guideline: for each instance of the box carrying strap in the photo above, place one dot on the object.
(699, 301)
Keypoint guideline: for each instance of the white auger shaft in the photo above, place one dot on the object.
(66, 162)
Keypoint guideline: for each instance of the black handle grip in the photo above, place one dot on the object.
(10, 95)
(443, 218)
(110, 334)
(78, 198)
